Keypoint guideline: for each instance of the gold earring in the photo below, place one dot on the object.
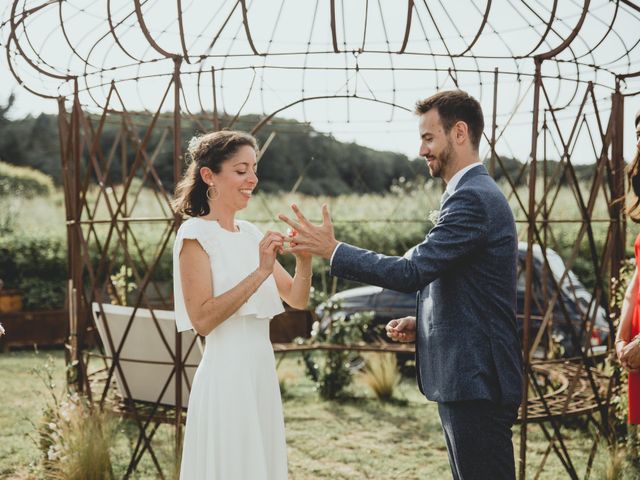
(211, 196)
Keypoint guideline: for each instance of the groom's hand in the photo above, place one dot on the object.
(309, 238)
(402, 329)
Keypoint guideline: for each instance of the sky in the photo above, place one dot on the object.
(363, 85)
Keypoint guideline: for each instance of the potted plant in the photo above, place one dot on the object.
(10, 299)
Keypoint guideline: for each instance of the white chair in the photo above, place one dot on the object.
(145, 359)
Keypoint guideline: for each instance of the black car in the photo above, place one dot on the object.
(572, 313)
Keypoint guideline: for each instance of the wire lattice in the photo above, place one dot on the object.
(552, 78)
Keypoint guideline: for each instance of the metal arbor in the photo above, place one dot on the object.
(552, 79)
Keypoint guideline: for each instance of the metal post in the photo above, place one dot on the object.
(78, 323)
(618, 194)
(71, 353)
(494, 126)
(529, 270)
(216, 118)
(177, 170)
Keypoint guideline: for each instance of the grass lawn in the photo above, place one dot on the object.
(354, 438)
(23, 396)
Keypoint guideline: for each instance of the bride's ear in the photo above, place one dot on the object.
(207, 175)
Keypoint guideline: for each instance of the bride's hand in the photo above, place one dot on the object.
(300, 256)
(270, 245)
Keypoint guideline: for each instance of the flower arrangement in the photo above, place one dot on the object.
(121, 284)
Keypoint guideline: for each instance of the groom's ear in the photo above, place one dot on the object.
(460, 132)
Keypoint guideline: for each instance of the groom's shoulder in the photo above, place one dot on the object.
(483, 184)
(481, 192)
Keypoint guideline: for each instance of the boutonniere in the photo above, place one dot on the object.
(434, 215)
(1, 330)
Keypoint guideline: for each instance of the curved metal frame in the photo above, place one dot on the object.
(85, 163)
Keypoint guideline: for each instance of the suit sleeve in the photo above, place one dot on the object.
(461, 230)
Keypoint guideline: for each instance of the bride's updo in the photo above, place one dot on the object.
(208, 150)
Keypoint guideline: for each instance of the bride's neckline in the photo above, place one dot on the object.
(216, 222)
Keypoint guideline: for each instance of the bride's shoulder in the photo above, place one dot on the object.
(192, 228)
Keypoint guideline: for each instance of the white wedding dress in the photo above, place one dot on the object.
(235, 426)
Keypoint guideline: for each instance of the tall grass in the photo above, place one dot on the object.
(381, 374)
(74, 436)
(82, 440)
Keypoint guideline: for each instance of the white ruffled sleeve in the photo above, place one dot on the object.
(189, 230)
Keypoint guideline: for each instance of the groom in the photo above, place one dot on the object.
(468, 354)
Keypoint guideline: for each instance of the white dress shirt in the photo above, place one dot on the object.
(453, 183)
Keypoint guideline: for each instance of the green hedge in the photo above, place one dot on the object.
(37, 266)
(23, 181)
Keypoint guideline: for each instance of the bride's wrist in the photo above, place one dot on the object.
(303, 263)
(263, 274)
(303, 274)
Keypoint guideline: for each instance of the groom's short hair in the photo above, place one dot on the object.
(454, 106)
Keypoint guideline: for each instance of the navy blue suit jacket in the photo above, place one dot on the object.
(467, 346)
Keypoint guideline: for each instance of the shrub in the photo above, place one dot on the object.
(43, 294)
(331, 370)
(23, 181)
(37, 266)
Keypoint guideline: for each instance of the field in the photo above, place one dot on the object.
(389, 223)
(357, 437)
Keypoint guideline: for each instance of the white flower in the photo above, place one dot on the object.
(52, 453)
(1, 330)
(434, 215)
(315, 328)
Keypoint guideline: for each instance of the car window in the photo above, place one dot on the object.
(388, 298)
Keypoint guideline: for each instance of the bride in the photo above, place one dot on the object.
(227, 286)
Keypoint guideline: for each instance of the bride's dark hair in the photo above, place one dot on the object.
(208, 150)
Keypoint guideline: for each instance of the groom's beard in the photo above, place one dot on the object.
(441, 161)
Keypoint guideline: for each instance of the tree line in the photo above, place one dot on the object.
(299, 157)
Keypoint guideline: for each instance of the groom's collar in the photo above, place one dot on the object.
(453, 183)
